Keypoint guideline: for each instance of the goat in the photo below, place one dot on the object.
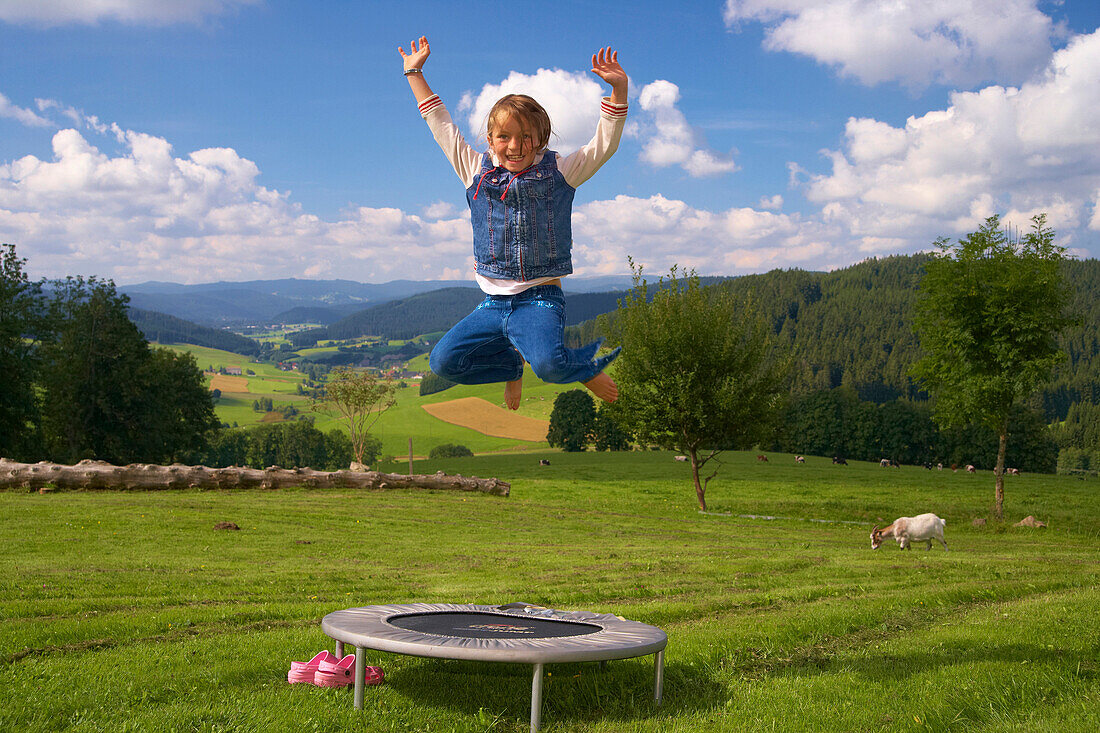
(906, 530)
(970, 468)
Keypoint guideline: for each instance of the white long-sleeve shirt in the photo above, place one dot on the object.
(576, 167)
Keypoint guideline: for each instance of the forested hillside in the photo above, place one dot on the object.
(436, 311)
(165, 329)
(852, 328)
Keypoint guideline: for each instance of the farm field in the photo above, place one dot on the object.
(407, 419)
(132, 613)
(484, 417)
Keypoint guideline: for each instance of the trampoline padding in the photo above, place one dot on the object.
(473, 632)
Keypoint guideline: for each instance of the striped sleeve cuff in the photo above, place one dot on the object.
(612, 110)
(429, 104)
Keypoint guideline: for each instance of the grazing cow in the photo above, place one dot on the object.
(970, 468)
(544, 462)
(907, 530)
(681, 458)
(885, 463)
(1012, 471)
(838, 461)
(762, 458)
(799, 459)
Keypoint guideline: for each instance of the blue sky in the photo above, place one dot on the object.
(200, 140)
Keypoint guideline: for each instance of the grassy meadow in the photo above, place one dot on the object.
(129, 612)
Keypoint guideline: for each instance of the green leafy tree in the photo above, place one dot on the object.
(606, 432)
(988, 315)
(178, 420)
(359, 398)
(93, 404)
(450, 450)
(20, 321)
(697, 373)
(105, 394)
(572, 421)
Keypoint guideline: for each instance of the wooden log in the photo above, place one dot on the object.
(88, 475)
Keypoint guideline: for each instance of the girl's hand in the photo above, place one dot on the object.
(417, 54)
(605, 64)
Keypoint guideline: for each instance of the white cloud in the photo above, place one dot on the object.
(668, 139)
(571, 99)
(573, 102)
(21, 115)
(771, 203)
(999, 149)
(914, 42)
(136, 12)
(149, 214)
(659, 232)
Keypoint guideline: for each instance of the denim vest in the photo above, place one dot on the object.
(522, 222)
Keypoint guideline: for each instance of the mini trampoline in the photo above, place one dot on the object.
(517, 633)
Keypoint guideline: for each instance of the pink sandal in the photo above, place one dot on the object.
(335, 673)
(372, 676)
(307, 671)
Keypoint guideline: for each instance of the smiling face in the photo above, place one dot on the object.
(512, 144)
(518, 129)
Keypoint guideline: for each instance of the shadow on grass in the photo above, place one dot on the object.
(620, 691)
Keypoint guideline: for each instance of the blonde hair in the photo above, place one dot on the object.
(527, 111)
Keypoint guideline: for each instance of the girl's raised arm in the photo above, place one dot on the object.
(414, 68)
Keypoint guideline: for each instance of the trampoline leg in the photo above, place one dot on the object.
(360, 673)
(659, 676)
(340, 649)
(536, 697)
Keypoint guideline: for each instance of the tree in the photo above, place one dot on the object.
(20, 320)
(360, 398)
(450, 450)
(93, 404)
(572, 421)
(105, 394)
(988, 315)
(178, 420)
(697, 372)
(606, 432)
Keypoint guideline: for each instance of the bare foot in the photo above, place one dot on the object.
(512, 392)
(603, 387)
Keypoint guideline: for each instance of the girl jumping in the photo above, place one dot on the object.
(521, 199)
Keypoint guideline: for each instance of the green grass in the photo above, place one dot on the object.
(128, 612)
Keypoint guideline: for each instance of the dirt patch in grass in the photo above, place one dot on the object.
(226, 383)
(484, 417)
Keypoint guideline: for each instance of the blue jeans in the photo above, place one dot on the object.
(491, 344)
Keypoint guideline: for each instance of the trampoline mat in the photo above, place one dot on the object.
(490, 626)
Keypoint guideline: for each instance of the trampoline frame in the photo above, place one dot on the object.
(368, 627)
